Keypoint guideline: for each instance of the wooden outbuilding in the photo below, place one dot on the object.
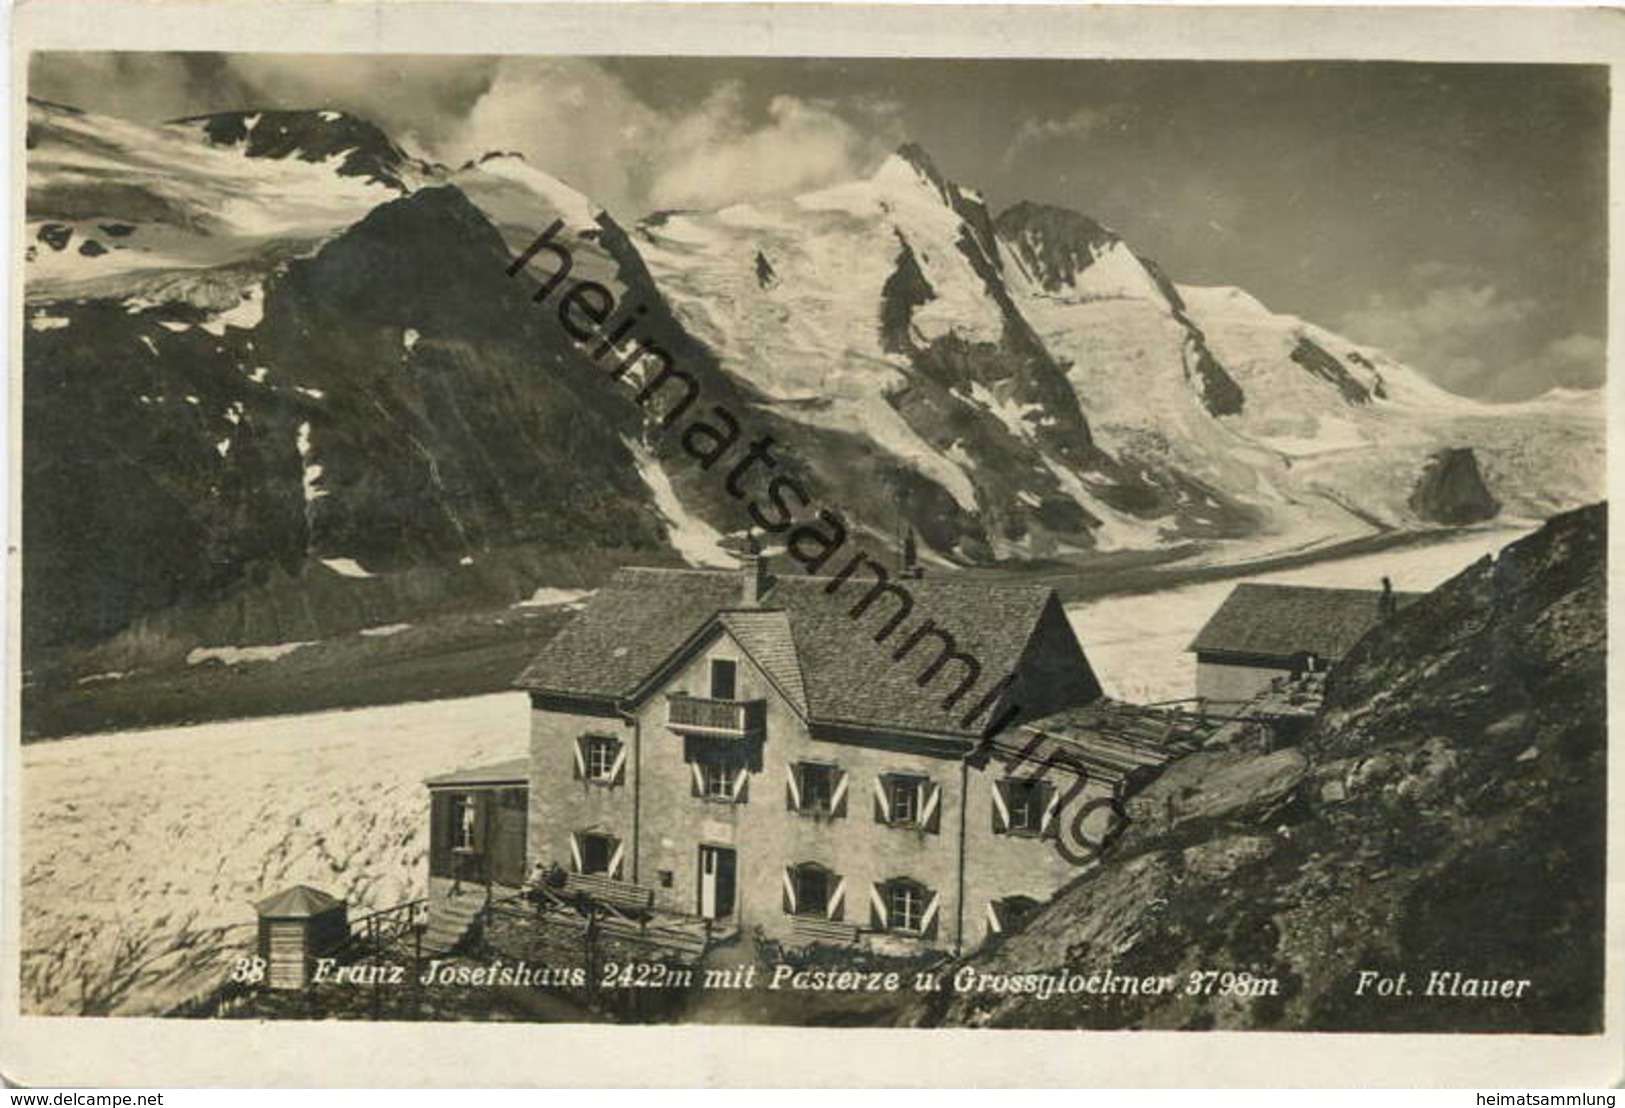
(1265, 632)
(297, 926)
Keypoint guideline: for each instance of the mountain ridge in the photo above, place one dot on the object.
(976, 378)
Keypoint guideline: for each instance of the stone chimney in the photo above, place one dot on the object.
(1387, 603)
(754, 579)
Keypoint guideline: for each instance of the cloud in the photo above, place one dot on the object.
(1041, 132)
(140, 86)
(1578, 360)
(570, 116)
(1469, 336)
(715, 156)
(582, 124)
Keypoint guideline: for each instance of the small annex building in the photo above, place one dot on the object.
(1263, 632)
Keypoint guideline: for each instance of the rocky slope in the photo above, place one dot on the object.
(278, 385)
(1445, 812)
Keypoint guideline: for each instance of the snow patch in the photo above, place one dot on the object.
(346, 567)
(697, 541)
(239, 655)
(386, 630)
(312, 472)
(40, 321)
(546, 597)
(246, 315)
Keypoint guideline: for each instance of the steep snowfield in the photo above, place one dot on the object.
(1137, 643)
(158, 212)
(697, 541)
(144, 852)
(1540, 456)
(804, 331)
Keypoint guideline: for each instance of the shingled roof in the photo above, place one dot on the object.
(802, 637)
(1279, 621)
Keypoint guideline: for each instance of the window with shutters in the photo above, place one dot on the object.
(720, 770)
(1025, 807)
(719, 779)
(1026, 801)
(597, 852)
(601, 753)
(905, 905)
(907, 800)
(816, 789)
(812, 887)
(600, 760)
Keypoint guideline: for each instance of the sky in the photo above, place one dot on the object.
(1454, 216)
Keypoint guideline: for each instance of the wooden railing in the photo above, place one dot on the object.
(705, 716)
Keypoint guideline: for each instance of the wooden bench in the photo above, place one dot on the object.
(820, 930)
(619, 894)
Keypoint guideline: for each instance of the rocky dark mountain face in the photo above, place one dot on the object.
(1452, 490)
(403, 431)
(1443, 814)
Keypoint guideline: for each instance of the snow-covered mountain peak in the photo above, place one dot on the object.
(357, 145)
(123, 210)
(514, 170)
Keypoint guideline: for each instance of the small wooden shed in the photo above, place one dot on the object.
(297, 926)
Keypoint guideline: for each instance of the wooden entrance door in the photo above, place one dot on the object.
(717, 881)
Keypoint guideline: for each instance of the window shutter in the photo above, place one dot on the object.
(740, 781)
(790, 890)
(581, 759)
(792, 786)
(698, 777)
(995, 926)
(928, 920)
(837, 799)
(837, 900)
(617, 856)
(882, 800)
(930, 805)
(440, 833)
(575, 852)
(877, 907)
(1050, 828)
(617, 769)
(1001, 809)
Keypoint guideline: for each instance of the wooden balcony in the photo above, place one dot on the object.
(733, 719)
